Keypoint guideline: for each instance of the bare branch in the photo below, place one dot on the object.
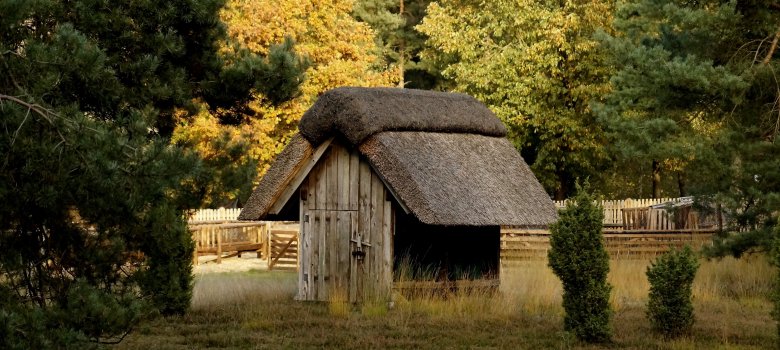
(16, 133)
(772, 48)
(38, 109)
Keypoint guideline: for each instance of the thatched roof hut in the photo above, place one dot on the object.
(406, 164)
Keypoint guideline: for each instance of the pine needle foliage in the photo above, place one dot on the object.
(776, 293)
(670, 305)
(93, 236)
(578, 257)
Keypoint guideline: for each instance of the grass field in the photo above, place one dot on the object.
(255, 310)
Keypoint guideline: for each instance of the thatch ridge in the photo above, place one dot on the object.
(357, 113)
(276, 178)
(460, 179)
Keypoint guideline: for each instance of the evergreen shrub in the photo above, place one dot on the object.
(578, 258)
(670, 306)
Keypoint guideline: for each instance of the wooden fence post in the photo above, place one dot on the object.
(218, 233)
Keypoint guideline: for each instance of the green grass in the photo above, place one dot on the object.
(256, 310)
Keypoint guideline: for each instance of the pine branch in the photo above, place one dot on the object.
(46, 114)
(772, 48)
(43, 112)
(38, 109)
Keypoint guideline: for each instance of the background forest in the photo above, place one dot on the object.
(118, 116)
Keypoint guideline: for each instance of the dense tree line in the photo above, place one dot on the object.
(117, 116)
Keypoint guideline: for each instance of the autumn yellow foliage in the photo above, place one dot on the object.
(341, 52)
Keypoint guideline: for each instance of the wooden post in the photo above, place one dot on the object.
(219, 244)
(259, 239)
(267, 255)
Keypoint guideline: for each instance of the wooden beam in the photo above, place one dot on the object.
(297, 179)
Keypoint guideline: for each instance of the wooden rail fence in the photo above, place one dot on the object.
(523, 244)
(231, 238)
(275, 242)
(632, 229)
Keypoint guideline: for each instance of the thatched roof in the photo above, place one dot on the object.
(460, 179)
(357, 113)
(457, 170)
(277, 177)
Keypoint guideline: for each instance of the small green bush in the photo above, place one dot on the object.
(578, 258)
(669, 307)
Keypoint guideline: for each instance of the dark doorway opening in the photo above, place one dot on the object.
(441, 253)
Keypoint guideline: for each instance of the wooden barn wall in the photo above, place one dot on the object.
(347, 230)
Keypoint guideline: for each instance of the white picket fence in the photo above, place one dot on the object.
(221, 214)
(613, 214)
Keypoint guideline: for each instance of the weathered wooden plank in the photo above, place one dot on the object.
(302, 259)
(219, 245)
(354, 179)
(317, 257)
(512, 230)
(634, 245)
(319, 176)
(355, 260)
(364, 226)
(226, 224)
(526, 239)
(333, 178)
(343, 178)
(387, 248)
(344, 232)
(303, 202)
(311, 188)
(377, 239)
(333, 277)
(232, 247)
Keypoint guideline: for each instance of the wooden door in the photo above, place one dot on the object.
(325, 269)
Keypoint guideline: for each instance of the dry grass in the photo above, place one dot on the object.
(256, 310)
(217, 290)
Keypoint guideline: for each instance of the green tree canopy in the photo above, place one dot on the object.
(696, 88)
(399, 43)
(92, 193)
(536, 65)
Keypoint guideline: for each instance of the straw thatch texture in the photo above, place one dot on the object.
(460, 179)
(277, 177)
(357, 113)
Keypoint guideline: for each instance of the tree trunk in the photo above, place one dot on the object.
(681, 184)
(656, 179)
(560, 192)
(563, 187)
